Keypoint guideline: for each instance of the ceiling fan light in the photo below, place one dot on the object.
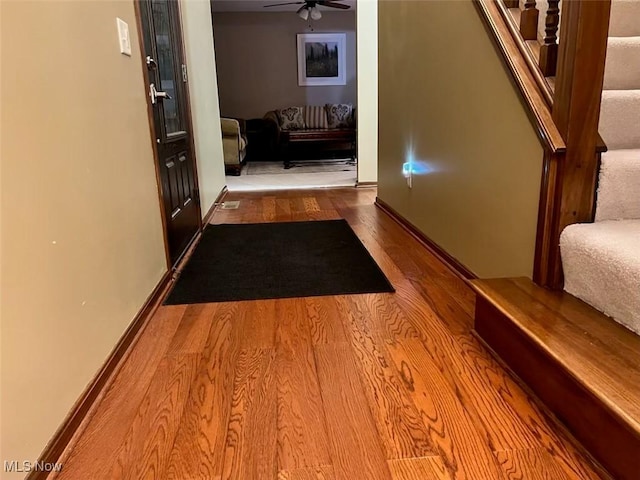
(316, 14)
(303, 13)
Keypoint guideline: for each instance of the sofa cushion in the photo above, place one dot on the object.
(315, 117)
(291, 118)
(339, 115)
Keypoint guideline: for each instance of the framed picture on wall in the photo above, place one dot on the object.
(322, 59)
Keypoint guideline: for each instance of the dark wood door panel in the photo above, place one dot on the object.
(167, 88)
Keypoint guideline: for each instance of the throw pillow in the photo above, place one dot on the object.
(291, 118)
(339, 115)
(315, 117)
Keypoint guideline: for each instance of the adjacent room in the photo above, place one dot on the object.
(287, 87)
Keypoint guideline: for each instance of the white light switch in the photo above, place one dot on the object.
(123, 36)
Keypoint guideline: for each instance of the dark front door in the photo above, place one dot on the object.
(167, 92)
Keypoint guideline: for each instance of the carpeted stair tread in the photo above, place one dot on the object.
(602, 267)
(625, 15)
(620, 119)
(618, 195)
(622, 70)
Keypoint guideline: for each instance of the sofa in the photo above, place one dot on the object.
(312, 129)
(234, 144)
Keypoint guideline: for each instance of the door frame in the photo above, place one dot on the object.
(153, 136)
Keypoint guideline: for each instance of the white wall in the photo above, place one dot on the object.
(367, 40)
(203, 92)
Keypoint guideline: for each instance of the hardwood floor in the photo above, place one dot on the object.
(375, 386)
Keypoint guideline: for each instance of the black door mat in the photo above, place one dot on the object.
(277, 260)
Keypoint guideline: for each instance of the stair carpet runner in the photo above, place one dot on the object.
(601, 260)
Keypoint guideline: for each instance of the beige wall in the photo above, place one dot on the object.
(445, 96)
(81, 240)
(257, 61)
(203, 91)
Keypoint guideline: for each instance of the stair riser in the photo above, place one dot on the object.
(624, 18)
(620, 119)
(618, 195)
(622, 70)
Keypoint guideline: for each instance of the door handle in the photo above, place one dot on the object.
(155, 94)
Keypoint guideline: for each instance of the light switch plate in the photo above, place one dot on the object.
(123, 37)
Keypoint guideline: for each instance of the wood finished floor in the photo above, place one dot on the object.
(374, 386)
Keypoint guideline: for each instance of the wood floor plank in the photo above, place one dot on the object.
(251, 363)
(146, 450)
(324, 472)
(504, 427)
(315, 215)
(356, 451)
(324, 320)
(269, 208)
(259, 319)
(94, 451)
(451, 428)
(310, 204)
(283, 209)
(424, 468)
(387, 317)
(193, 330)
(198, 450)
(399, 423)
(532, 464)
(302, 437)
(250, 447)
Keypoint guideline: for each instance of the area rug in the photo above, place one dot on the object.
(301, 166)
(277, 260)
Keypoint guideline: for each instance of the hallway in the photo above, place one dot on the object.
(372, 386)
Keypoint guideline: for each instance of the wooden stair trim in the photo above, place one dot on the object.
(492, 296)
(533, 87)
(608, 431)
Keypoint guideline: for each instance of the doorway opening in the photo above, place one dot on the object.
(288, 94)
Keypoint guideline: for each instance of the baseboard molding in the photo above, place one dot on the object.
(458, 268)
(82, 410)
(366, 184)
(219, 199)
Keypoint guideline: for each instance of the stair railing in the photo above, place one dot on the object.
(560, 78)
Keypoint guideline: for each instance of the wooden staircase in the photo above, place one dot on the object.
(581, 364)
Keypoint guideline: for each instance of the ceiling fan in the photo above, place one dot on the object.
(310, 7)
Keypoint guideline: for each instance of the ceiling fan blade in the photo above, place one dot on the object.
(281, 4)
(329, 3)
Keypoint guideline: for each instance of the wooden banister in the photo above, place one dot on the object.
(570, 183)
(525, 51)
(565, 118)
(549, 50)
(533, 88)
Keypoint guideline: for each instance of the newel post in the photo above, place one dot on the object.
(576, 111)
